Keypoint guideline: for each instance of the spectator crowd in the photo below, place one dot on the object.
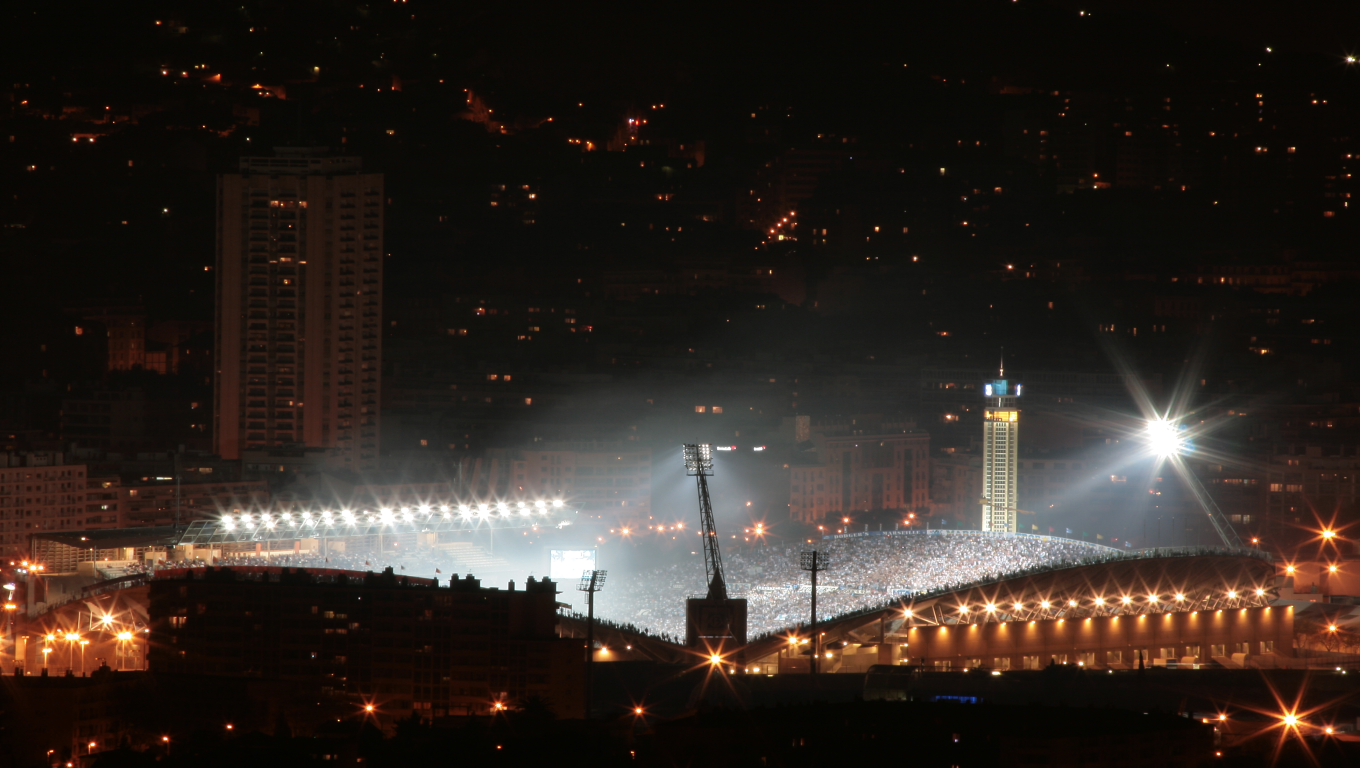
(861, 572)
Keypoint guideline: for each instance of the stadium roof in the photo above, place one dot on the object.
(1203, 579)
(114, 538)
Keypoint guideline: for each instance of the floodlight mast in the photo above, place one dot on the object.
(699, 465)
(1164, 437)
(591, 582)
(1225, 529)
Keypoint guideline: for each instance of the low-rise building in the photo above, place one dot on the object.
(403, 645)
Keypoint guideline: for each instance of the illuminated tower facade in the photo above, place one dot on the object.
(299, 306)
(1000, 455)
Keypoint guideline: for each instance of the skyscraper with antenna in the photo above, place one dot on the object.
(1000, 453)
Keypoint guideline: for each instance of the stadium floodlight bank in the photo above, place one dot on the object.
(699, 459)
(331, 524)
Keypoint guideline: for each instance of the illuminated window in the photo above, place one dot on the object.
(700, 409)
(717, 409)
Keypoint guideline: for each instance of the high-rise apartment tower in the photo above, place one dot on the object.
(299, 306)
(1000, 455)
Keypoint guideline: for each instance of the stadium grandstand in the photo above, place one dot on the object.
(864, 570)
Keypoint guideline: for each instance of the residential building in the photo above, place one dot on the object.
(158, 500)
(299, 307)
(38, 493)
(596, 477)
(1309, 487)
(864, 463)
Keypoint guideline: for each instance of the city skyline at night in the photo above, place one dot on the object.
(337, 333)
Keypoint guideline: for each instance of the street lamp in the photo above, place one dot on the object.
(83, 643)
(71, 639)
(124, 638)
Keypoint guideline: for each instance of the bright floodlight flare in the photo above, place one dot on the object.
(557, 502)
(1180, 598)
(1164, 438)
(715, 659)
(1328, 533)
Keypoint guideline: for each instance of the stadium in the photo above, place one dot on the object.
(888, 597)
